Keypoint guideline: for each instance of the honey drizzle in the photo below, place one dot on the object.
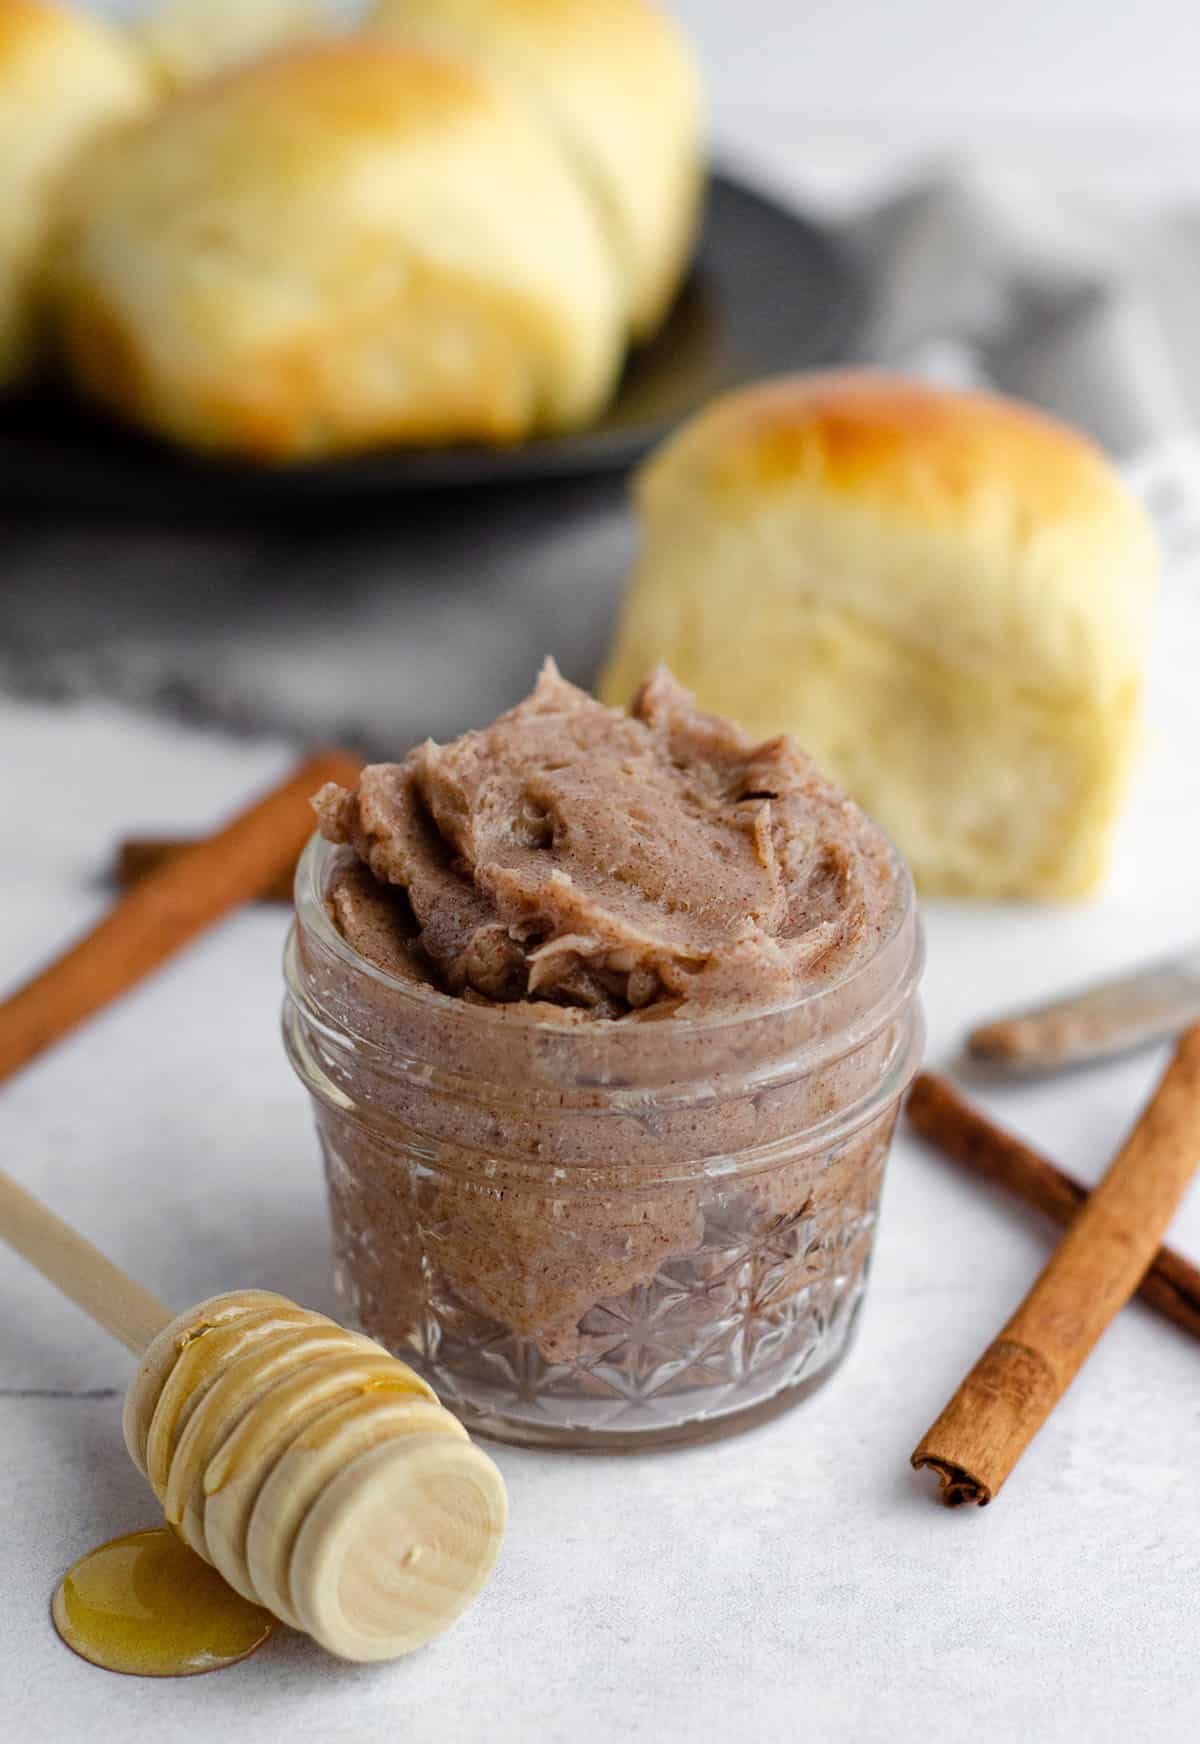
(147, 1605)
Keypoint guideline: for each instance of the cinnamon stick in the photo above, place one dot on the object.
(947, 1120)
(139, 855)
(1095, 1269)
(169, 907)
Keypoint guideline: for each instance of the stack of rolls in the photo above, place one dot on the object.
(447, 226)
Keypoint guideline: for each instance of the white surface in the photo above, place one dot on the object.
(798, 1581)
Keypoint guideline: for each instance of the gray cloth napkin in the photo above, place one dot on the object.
(438, 617)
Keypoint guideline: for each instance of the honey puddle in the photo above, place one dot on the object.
(148, 1605)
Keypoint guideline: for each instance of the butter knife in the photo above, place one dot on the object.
(1113, 1017)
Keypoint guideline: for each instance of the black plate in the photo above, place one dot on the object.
(770, 291)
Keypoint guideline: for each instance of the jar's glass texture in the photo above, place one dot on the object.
(605, 1235)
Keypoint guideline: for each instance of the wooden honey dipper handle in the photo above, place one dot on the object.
(107, 1294)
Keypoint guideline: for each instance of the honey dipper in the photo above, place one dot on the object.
(314, 1470)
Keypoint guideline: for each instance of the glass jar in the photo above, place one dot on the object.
(603, 1235)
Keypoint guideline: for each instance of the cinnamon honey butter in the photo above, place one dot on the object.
(606, 1018)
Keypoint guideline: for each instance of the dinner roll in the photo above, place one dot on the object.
(185, 40)
(944, 596)
(617, 82)
(342, 245)
(63, 75)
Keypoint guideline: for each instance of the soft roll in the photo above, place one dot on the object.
(616, 82)
(63, 77)
(945, 597)
(339, 246)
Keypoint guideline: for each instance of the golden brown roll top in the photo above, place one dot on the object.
(944, 596)
(338, 246)
(615, 81)
(63, 77)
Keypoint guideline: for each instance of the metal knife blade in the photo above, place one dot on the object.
(1113, 1017)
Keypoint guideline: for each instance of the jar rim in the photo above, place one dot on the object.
(319, 857)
